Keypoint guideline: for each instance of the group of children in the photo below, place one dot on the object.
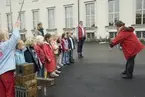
(48, 53)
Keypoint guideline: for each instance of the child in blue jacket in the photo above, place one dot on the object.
(19, 54)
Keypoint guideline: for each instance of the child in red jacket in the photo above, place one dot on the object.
(49, 53)
(130, 44)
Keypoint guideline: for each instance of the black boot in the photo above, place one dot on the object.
(127, 76)
(79, 56)
(82, 56)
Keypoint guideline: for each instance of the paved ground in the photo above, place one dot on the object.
(98, 75)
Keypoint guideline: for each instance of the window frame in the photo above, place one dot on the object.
(69, 16)
(142, 12)
(22, 22)
(9, 22)
(35, 22)
(51, 25)
(90, 18)
(114, 12)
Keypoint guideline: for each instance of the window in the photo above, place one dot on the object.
(35, 18)
(90, 15)
(140, 11)
(22, 20)
(51, 18)
(112, 34)
(113, 12)
(8, 2)
(9, 22)
(69, 17)
(140, 34)
(90, 35)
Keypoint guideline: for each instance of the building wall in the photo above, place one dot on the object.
(127, 14)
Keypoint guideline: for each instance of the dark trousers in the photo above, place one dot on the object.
(71, 56)
(80, 46)
(130, 66)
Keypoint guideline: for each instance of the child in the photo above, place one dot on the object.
(7, 61)
(31, 56)
(65, 50)
(59, 51)
(50, 57)
(40, 53)
(71, 46)
(19, 54)
(56, 48)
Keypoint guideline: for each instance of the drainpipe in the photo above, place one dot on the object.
(78, 11)
(11, 14)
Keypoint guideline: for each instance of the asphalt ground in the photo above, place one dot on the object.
(98, 75)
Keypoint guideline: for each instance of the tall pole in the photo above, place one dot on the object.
(78, 11)
(11, 14)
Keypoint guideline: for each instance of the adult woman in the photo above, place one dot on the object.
(40, 53)
(30, 54)
(130, 44)
(7, 61)
(40, 29)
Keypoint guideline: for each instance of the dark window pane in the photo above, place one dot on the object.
(92, 8)
(138, 33)
(92, 35)
(144, 17)
(115, 34)
(116, 17)
(143, 34)
(111, 20)
(138, 4)
(116, 5)
(23, 37)
(112, 34)
(138, 17)
(88, 35)
(87, 9)
(111, 6)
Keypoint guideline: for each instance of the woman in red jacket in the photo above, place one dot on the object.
(130, 44)
(49, 53)
(40, 53)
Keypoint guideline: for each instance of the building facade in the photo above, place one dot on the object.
(60, 16)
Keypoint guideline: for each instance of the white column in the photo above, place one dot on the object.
(102, 17)
(28, 23)
(127, 11)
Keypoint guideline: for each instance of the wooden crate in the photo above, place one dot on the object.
(28, 84)
(21, 79)
(45, 82)
(23, 92)
(25, 69)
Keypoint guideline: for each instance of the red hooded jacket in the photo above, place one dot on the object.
(131, 45)
(50, 56)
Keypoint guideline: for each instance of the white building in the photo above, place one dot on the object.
(59, 16)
